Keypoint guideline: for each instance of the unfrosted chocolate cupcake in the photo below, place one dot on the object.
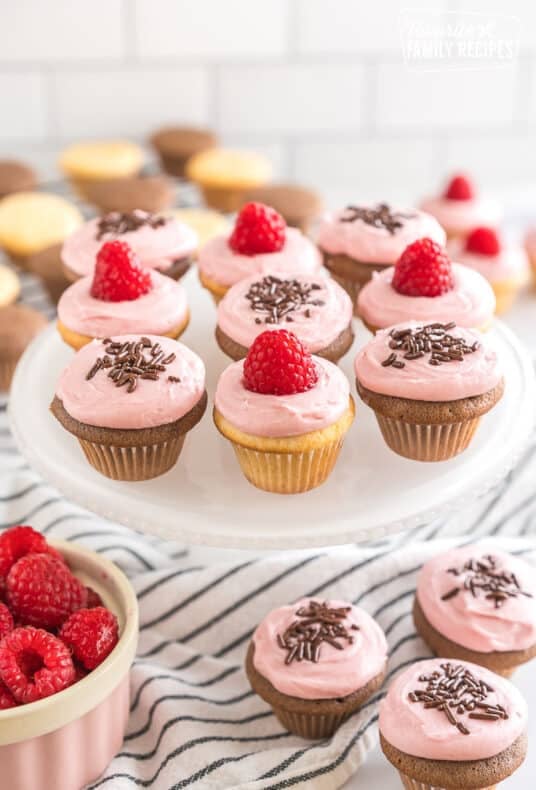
(47, 265)
(16, 177)
(147, 193)
(18, 327)
(299, 206)
(176, 144)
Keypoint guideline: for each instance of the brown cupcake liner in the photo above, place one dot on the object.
(427, 442)
(133, 463)
(309, 725)
(7, 369)
(413, 784)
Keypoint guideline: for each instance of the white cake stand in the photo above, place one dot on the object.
(206, 500)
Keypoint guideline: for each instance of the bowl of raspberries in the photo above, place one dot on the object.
(68, 636)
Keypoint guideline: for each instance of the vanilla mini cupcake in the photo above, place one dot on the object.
(478, 604)
(94, 161)
(224, 175)
(315, 308)
(425, 286)
(460, 208)
(453, 724)
(130, 401)
(315, 663)
(285, 412)
(260, 243)
(360, 240)
(429, 386)
(160, 242)
(121, 298)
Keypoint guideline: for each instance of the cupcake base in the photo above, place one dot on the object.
(506, 293)
(413, 784)
(216, 290)
(7, 370)
(78, 341)
(351, 274)
(333, 352)
(227, 199)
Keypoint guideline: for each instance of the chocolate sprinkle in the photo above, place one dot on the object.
(432, 340)
(276, 298)
(127, 362)
(382, 216)
(319, 623)
(117, 222)
(483, 576)
(454, 687)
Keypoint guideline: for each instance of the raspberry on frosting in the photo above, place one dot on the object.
(278, 364)
(118, 276)
(483, 241)
(258, 229)
(423, 269)
(459, 188)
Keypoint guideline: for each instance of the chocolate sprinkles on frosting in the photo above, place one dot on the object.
(318, 623)
(432, 340)
(118, 222)
(482, 576)
(132, 360)
(381, 216)
(275, 298)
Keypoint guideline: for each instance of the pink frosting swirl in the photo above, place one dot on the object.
(337, 673)
(427, 732)
(470, 303)
(220, 264)
(510, 263)
(283, 415)
(473, 620)
(478, 373)
(315, 325)
(369, 244)
(458, 217)
(156, 312)
(99, 402)
(157, 248)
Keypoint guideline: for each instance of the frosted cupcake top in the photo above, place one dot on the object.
(162, 309)
(101, 386)
(401, 362)
(319, 669)
(157, 241)
(481, 598)
(376, 233)
(458, 217)
(315, 308)
(511, 262)
(470, 303)
(490, 715)
(220, 264)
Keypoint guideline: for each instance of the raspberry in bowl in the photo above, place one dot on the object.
(260, 243)
(285, 412)
(64, 678)
(121, 298)
(314, 307)
(424, 285)
(460, 208)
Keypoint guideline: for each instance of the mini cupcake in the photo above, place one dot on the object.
(429, 386)
(224, 175)
(32, 221)
(453, 725)
(360, 240)
(9, 286)
(121, 298)
(175, 145)
(478, 604)
(316, 309)
(145, 193)
(16, 177)
(459, 208)
(100, 160)
(299, 206)
(47, 266)
(160, 242)
(425, 286)
(316, 663)
(205, 222)
(18, 327)
(530, 249)
(260, 243)
(505, 267)
(130, 401)
(285, 412)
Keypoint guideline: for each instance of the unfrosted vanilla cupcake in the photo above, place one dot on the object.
(224, 175)
(459, 208)
(100, 160)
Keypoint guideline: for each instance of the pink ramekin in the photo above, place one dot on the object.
(67, 740)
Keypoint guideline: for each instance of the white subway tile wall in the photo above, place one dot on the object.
(320, 85)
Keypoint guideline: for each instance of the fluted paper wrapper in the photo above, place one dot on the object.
(413, 784)
(133, 463)
(308, 725)
(427, 442)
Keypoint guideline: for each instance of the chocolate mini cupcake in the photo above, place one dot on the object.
(130, 401)
(146, 193)
(316, 663)
(453, 725)
(478, 604)
(16, 177)
(299, 206)
(47, 265)
(18, 327)
(175, 145)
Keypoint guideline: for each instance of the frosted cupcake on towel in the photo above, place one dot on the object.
(360, 240)
(316, 663)
(453, 725)
(160, 242)
(478, 604)
(459, 208)
(429, 385)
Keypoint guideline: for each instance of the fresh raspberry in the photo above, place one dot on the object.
(93, 598)
(483, 241)
(6, 621)
(258, 228)
(459, 188)
(34, 664)
(118, 275)
(42, 591)
(423, 269)
(91, 634)
(15, 543)
(7, 700)
(278, 364)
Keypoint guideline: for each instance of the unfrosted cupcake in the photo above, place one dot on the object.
(285, 412)
(316, 663)
(16, 176)
(160, 242)
(9, 286)
(175, 145)
(224, 175)
(260, 243)
(478, 604)
(19, 325)
(315, 308)
(121, 298)
(130, 400)
(460, 208)
(429, 386)
(453, 724)
(99, 160)
(425, 286)
(205, 222)
(299, 206)
(360, 240)
(145, 193)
